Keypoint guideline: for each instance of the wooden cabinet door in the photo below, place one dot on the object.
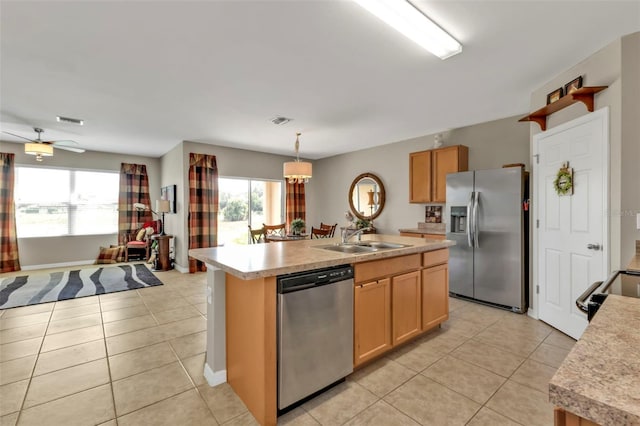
(420, 177)
(567, 418)
(372, 320)
(446, 160)
(435, 295)
(405, 308)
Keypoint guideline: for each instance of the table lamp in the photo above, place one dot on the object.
(163, 206)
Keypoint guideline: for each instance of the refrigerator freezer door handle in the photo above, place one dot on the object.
(476, 228)
(469, 221)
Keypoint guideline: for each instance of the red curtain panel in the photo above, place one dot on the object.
(203, 205)
(9, 259)
(134, 188)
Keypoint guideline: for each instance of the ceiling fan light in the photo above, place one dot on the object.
(40, 149)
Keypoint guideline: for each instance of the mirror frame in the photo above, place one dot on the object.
(381, 199)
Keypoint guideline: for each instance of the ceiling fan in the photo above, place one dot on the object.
(41, 148)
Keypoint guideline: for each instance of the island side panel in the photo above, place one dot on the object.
(251, 344)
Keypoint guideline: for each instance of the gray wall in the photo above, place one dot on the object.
(173, 174)
(617, 66)
(630, 149)
(231, 163)
(491, 145)
(75, 249)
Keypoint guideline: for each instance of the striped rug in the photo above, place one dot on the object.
(48, 287)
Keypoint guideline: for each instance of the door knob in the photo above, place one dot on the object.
(593, 246)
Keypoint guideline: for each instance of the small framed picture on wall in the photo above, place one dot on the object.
(169, 193)
(573, 85)
(554, 96)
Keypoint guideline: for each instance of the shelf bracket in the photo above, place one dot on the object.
(586, 99)
(541, 120)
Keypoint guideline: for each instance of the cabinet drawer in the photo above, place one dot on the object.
(368, 271)
(435, 257)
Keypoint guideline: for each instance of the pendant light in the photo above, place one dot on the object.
(297, 171)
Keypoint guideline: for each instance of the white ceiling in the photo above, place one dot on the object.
(146, 75)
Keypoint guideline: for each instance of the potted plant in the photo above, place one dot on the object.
(297, 226)
(363, 223)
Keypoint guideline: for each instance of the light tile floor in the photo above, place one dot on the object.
(136, 358)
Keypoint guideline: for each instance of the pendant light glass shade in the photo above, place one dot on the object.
(297, 171)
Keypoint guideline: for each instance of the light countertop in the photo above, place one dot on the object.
(276, 258)
(599, 379)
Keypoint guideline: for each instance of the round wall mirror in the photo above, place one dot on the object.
(366, 196)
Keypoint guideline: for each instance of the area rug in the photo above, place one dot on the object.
(49, 287)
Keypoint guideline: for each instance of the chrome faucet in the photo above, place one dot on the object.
(348, 233)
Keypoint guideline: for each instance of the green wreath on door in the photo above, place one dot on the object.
(563, 183)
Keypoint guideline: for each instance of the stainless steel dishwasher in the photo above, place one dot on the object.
(315, 331)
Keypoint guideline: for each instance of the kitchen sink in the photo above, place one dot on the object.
(363, 247)
(349, 248)
(382, 244)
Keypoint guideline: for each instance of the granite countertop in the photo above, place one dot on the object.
(634, 265)
(599, 379)
(276, 258)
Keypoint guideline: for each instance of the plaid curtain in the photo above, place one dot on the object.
(9, 259)
(295, 202)
(203, 204)
(134, 188)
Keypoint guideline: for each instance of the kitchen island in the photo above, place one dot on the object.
(597, 382)
(241, 310)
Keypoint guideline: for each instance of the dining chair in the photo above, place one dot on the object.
(320, 233)
(257, 235)
(270, 230)
(330, 227)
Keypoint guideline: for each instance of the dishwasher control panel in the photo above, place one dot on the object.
(307, 279)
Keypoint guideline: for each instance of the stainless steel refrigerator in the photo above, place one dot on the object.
(487, 217)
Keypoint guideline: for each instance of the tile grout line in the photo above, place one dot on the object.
(106, 352)
(507, 379)
(39, 352)
(26, 392)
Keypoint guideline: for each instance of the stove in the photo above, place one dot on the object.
(623, 283)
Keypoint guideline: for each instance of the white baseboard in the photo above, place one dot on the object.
(58, 265)
(180, 269)
(214, 379)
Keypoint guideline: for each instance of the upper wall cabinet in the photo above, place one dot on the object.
(428, 172)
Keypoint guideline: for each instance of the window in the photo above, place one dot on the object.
(54, 202)
(238, 210)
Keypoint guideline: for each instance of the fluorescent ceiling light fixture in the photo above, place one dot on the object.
(408, 20)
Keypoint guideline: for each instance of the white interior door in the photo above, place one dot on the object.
(568, 225)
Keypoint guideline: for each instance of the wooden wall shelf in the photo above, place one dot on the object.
(584, 95)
